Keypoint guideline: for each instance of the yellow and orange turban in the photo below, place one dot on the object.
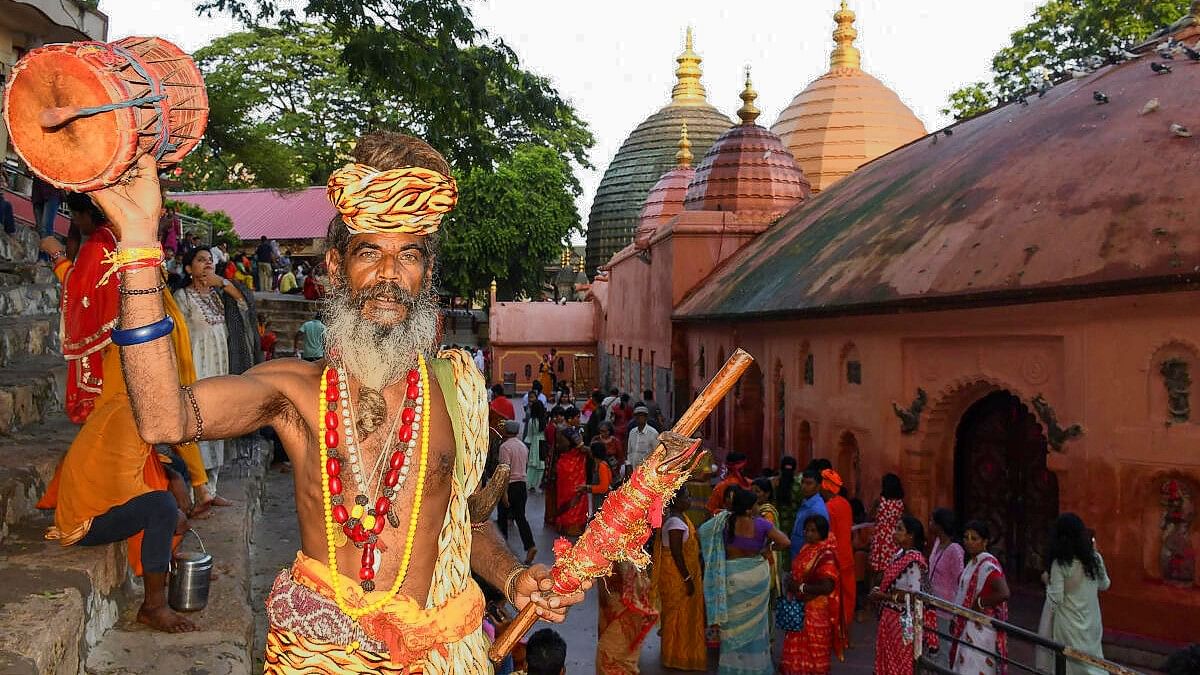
(831, 481)
(408, 200)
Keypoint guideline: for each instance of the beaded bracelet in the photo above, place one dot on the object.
(142, 291)
(196, 412)
(128, 337)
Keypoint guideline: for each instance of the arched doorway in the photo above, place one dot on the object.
(747, 433)
(1000, 476)
(849, 463)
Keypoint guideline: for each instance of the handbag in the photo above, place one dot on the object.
(789, 614)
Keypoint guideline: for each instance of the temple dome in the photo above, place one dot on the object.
(646, 155)
(846, 117)
(665, 200)
(748, 169)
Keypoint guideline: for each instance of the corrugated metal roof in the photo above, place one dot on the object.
(268, 213)
(1058, 195)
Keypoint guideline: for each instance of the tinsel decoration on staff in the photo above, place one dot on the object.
(622, 526)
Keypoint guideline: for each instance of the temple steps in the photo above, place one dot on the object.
(56, 602)
(27, 336)
(32, 389)
(27, 461)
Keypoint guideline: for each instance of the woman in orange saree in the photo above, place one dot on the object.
(675, 578)
(813, 580)
(626, 617)
(570, 472)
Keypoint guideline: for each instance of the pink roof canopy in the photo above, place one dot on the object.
(274, 214)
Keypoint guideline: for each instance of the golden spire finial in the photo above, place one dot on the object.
(688, 90)
(748, 112)
(683, 158)
(845, 54)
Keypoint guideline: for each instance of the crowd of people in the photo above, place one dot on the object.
(782, 565)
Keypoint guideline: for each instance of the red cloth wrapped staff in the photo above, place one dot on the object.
(81, 114)
(623, 524)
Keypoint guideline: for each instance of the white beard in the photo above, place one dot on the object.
(376, 354)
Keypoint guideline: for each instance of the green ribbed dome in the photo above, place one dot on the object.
(645, 156)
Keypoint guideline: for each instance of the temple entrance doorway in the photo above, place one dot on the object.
(1001, 477)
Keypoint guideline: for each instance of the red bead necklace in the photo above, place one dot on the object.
(362, 525)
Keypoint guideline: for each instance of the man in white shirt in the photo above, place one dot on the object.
(515, 454)
(614, 395)
(220, 255)
(643, 438)
(480, 363)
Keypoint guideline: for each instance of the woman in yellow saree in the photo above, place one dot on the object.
(675, 577)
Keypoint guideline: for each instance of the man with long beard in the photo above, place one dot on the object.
(387, 440)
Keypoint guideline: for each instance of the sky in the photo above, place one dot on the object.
(615, 60)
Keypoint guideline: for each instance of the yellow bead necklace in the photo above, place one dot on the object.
(331, 526)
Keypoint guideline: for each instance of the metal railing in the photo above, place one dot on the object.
(916, 603)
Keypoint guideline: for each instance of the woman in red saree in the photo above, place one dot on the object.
(626, 617)
(813, 580)
(907, 571)
(571, 472)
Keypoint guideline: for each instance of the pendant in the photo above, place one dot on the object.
(378, 561)
(340, 538)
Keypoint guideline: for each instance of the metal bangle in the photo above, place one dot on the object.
(510, 583)
(195, 412)
(142, 291)
(127, 337)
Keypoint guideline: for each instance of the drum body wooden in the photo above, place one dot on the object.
(117, 101)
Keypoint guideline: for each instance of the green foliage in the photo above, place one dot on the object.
(1061, 37)
(509, 224)
(221, 223)
(457, 87)
(283, 111)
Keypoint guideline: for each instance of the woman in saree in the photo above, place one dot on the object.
(535, 439)
(737, 584)
(907, 571)
(626, 617)
(813, 580)
(570, 474)
(984, 589)
(675, 577)
(762, 488)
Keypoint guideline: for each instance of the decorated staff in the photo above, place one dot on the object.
(623, 524)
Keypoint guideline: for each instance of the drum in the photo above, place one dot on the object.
(81, 114)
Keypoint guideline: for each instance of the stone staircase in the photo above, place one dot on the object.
(286, 313)
(68, 610)
(55, 602)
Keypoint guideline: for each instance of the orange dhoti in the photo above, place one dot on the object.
(308, 633)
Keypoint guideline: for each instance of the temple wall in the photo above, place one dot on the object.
(1098, 363)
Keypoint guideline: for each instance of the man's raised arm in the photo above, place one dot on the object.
(166, 412)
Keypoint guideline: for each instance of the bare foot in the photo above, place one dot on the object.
(530, 555)
(165, 620)
(221, 501)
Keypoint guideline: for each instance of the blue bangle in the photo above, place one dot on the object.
(136, 336)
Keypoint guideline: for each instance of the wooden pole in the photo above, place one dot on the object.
(713, 393)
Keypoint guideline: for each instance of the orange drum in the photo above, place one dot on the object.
(81, 114)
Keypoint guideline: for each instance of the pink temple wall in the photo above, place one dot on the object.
(519, 333)
(1097, 362)
(645, 286)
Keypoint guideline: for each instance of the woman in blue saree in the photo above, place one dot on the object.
(737, 584)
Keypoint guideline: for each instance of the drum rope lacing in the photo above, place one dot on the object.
(164, 134)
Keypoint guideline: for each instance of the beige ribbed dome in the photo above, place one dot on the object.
(846, 117)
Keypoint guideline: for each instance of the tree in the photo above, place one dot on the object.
(1061, 38)
(461, 90)
(283, 111)
(509, 223)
